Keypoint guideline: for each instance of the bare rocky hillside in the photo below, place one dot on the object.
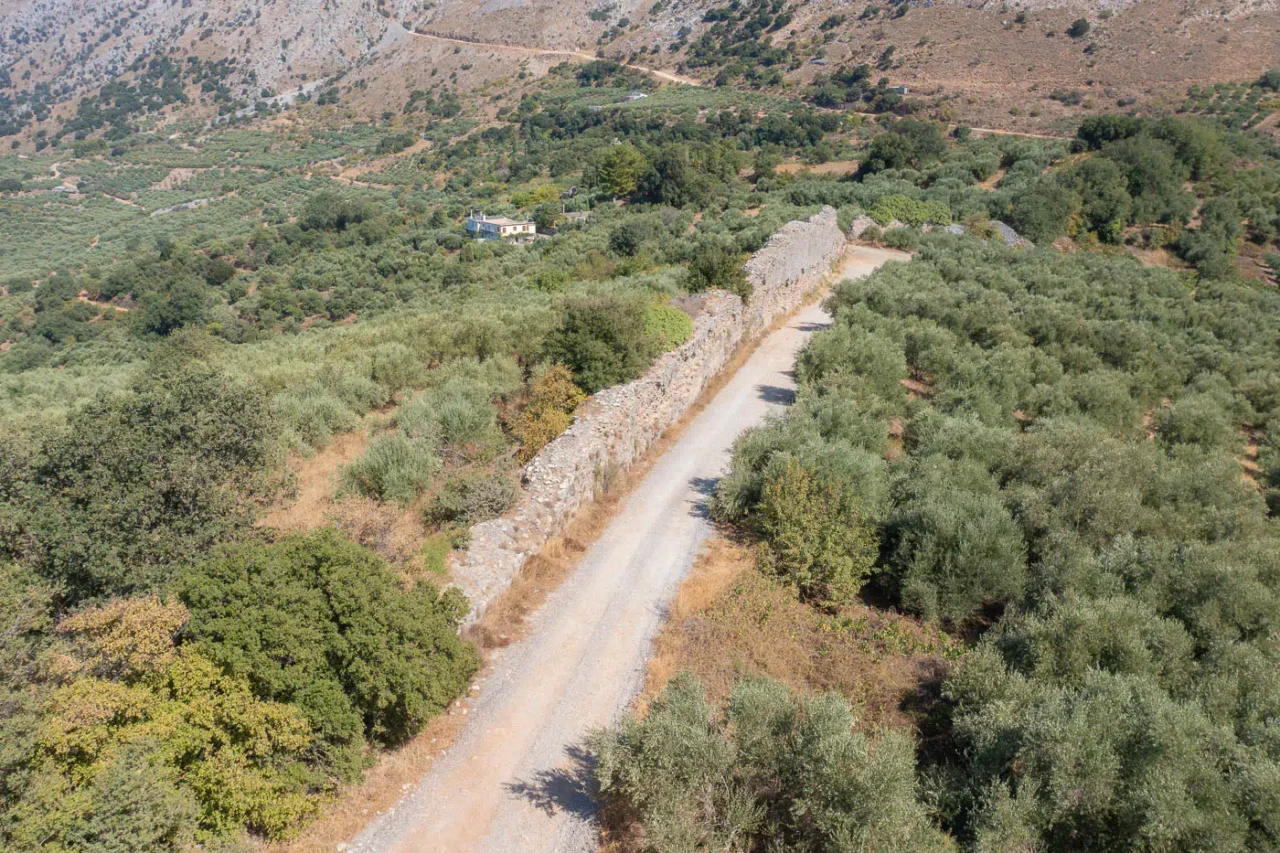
(990, 63)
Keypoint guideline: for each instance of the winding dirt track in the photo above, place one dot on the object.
(515, 780)
(672, 77)
(668, 76)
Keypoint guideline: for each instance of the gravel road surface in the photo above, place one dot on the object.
(516, 778)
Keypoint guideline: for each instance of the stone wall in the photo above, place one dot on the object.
(613, 429)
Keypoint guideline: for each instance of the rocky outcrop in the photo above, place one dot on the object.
(615, 427)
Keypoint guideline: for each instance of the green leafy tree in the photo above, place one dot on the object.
(1043, 211)
(816, 537)
(601, 338)
(139, 483)
(1211, 247)
(619, 170)
(908, 143)
(673, 179)
(1156, 179)
(957, 551)
(773, 768)
(321, 623)
(712, 267)
(1105, 204)
(627, 239)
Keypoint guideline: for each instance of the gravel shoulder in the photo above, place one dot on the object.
(516, 778)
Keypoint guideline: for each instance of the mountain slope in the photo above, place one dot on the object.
(984, 63)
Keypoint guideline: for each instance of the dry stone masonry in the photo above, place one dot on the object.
(614, 428)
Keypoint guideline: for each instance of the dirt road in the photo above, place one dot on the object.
(672, 77)
(515, 780)
(668, 76)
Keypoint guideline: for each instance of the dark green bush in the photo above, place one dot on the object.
(712, 267)
(627, 239)
(1042, 211)
(139, 483)
(321, 623)
(1079, 27)
(472, 498)
(601, 338)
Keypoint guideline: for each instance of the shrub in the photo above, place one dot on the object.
(955, 552)
(393, 467)
(666, 327)
(627, 239)
(910, 211)
(713, 267)
(1079, 28)
(875, 361)
(167, 750)
(1196, 419)
(459, 412)
(139, 483)
(772, 768)
(908, 143)
(904, 239)
(549, 411)
(472, 498)
(1042, 211)
(601, 339)
(815, 535)
(321, 623)
(1082, 759)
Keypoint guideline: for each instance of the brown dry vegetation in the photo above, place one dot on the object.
(315, 478)
(729, 620)
(832, 167)
(972, 59)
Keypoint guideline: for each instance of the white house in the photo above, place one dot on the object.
(483, 227)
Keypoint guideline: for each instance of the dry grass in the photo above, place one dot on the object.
(730, 621)
(1161, 258)
(831, 167)
(994, 181)
(309, 504)
(1251, 472)
(395, 533)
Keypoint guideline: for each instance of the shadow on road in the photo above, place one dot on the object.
(813, 327)
(569, 788)
(777, 395)
(705, 487)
